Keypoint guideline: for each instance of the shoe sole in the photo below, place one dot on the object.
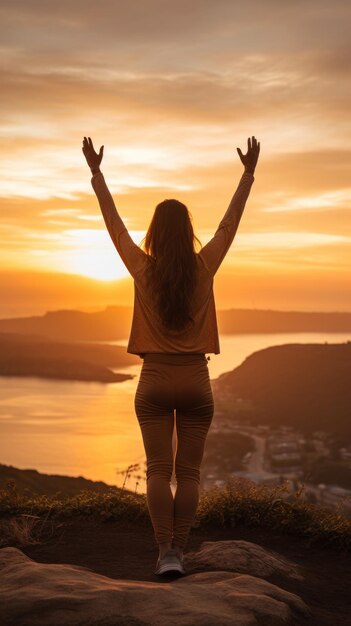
(165, 569)
(169, 567)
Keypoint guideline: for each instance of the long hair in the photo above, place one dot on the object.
(172, 270)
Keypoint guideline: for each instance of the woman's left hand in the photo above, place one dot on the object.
(93, 159)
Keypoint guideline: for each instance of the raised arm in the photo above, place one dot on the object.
(132, 256)
(216, 249)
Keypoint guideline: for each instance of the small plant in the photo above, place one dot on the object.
(21, 530)
(25, 529)
(240, 502)
(130, 469)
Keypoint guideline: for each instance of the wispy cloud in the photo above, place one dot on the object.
(332, 199)
(172, 90)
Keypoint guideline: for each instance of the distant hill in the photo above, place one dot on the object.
(31, 292)
(37, 355)
(30, 481)
(111, 324)
(307, 386)
(114, 323)
(268, 321)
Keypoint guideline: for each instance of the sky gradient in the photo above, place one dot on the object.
(171, 89)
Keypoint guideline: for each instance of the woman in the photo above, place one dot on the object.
(173, 327)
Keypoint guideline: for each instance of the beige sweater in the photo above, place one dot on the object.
(147, 334)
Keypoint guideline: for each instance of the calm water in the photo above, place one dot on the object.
(90, 429)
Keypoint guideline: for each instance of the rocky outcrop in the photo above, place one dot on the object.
(243, 557)
(230, 590)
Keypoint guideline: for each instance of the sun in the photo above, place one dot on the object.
(100, 270)
(93, 254)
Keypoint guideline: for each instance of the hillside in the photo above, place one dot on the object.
(241, 321)
(114, 323)
(31, 482)
(37, 355)
(110, 324)
(306, 386)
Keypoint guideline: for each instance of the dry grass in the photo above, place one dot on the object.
(28, 519)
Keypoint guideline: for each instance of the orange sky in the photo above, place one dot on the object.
(171, 89)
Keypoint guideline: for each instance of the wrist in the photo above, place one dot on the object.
(95, 169)
(250, 170)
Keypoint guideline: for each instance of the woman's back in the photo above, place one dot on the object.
(147, 333)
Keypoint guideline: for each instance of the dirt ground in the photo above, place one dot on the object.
(128, 550)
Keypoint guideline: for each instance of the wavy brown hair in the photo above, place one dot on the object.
(170, 246)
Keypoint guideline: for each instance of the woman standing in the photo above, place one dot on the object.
(174, 325)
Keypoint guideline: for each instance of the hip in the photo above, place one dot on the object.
(175, 358)
(177, 381)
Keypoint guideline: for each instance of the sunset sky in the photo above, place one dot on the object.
(171, 89)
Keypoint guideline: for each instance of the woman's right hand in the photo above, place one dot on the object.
(249, 160)
(93, 158)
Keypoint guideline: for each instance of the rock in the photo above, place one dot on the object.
(34, 593)
(240, 556)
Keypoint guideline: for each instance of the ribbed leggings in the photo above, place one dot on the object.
(170, 386)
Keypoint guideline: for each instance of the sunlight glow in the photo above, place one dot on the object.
(335, 198)
(88, 252)
(283, 240)
(93, 255)
(101, 266)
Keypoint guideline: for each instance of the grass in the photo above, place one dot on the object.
(239, 502)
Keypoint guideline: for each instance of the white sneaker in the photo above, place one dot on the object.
(169, 563)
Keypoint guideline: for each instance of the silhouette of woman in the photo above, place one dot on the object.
(173, 327)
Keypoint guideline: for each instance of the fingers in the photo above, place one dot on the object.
(255, 145)
(86, 145)
(87, 141)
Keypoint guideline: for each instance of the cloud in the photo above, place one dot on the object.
(329, 199)
(289, 239)
(115, 24)
(172, 90)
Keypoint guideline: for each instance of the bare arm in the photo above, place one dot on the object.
(132, 256)
(216, 249)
